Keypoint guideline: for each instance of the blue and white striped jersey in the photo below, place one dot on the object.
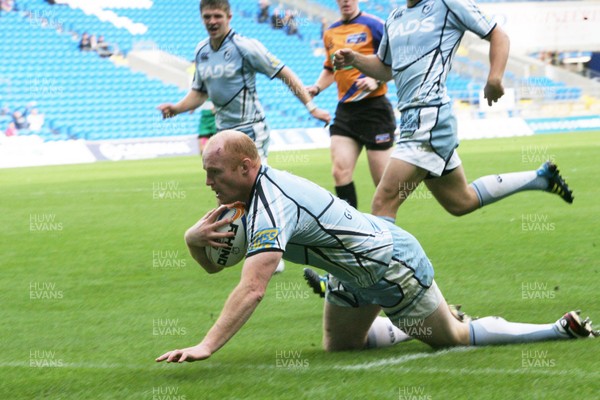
(312, 227)
(419, 44)
(228, 75)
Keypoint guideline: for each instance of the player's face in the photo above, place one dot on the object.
(224, 177)
(216, 22)
(348, 8)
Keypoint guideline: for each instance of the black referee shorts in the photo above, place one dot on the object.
(371, 122)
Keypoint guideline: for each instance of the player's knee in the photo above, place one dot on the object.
(341, 174)
(385, 195)
(384, 202)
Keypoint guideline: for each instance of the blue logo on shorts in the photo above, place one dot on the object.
(383, 138)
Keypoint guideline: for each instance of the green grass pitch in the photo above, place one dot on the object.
(96, 282)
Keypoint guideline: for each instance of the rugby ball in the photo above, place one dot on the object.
(236, 245)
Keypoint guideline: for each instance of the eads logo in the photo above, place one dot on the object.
(414, 25)
(216, 71)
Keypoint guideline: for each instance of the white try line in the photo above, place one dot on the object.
(398, 362)
(542, 371)
(354, 367)
(402, 359)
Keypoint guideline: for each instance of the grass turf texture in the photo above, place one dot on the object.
(107, 248)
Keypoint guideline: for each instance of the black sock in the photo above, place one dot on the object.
(348, 193)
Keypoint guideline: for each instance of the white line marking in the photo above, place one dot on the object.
(498, 371)
(403, 359)
(389, 362)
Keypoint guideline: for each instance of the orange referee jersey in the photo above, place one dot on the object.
(362, 34)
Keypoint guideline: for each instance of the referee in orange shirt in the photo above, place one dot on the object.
(364, 115)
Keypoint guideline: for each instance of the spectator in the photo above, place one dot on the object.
(263, 11)
(7, 5)
(20, 120)
(86, 42)
(290, 24)
(11, 130)
(103, 48)
(35, 120)
(276, 19)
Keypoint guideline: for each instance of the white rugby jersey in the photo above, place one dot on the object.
(228, 76)
(290, 214)
(419, 44)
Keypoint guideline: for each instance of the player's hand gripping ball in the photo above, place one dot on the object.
(237, 244)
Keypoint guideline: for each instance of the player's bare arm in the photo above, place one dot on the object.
(369, 65)
(325, 80)
(192, 100)
(499, 48)
(243, 300)
(204, 233)
(297, 87)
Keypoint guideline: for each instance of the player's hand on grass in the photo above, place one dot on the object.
(204, 232)
(343, 58)
(493, 91)
(367, 84)
(321, 115)
(167, 110)
(190, 354)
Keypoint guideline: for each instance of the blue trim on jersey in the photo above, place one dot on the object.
(353, 89)
(374, 24)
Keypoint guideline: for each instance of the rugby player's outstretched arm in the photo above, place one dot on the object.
(238, 308)
(289, 78)
(191, 101)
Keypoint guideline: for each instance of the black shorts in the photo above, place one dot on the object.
(371, 122)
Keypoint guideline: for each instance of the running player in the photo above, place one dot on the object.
(417, 49)
(226, 67)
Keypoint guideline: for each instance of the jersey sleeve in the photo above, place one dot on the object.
(384, 48)
(273, 217)
(376, 33)
(197, 82)
(469, 17)
(257, 55)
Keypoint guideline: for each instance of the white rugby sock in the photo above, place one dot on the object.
(384, 334)
(492, 188)
(496, 330)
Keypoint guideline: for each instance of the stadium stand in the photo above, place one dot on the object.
(80, 94)
(85, 96)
